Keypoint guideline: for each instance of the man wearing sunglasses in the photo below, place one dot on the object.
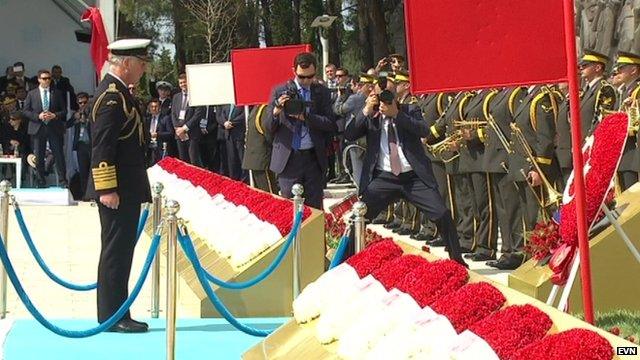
(299, 139)
(46, 110)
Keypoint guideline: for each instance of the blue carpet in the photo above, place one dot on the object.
(195, 339)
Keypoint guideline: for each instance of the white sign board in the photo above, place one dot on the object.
(210, 84)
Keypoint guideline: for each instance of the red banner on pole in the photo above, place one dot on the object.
(99, 41)
(471, 44)
(257, 71)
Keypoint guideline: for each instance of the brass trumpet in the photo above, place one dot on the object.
(553, 195)
(446, 145)
(472, 124)
(491, 121)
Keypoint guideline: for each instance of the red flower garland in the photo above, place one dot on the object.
(394, 271)
(371, 258)
(469, 304)
(265, 207)
(574, 344)
(609, 138)
(513, 328)
(428, 282)
(543, 240)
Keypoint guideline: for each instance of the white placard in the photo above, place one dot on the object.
(210, 84)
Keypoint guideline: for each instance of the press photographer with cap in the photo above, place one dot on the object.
(118, 179)
(396, 166)
(301, 120)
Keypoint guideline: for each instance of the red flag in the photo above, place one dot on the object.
(471, 44)
(99, 41)
(257, 71)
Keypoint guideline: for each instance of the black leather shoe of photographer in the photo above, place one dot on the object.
(129, 326)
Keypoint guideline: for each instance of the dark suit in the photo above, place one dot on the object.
(82, 145)
(165, 134)
(418, 186)
(41, 132)
(165, 106)
(307, 167)
(188, 150)
(68, 93)
(257, 155)
(234, 138)
(117, 165)
(209, 141)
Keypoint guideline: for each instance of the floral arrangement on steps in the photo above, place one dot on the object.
(235, 220)
(381, 304)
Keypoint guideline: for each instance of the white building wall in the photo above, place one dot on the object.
(39, 34)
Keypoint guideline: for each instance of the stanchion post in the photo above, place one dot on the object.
(5, 188)
(298, 203)
(172, 208)
(359, 210)
(155, 267)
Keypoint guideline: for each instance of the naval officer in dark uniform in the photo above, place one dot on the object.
(118, 179)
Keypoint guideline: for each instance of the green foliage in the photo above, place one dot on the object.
(626, 321)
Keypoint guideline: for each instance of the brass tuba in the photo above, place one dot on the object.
(553, 195)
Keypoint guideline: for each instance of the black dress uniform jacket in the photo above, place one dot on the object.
(118, 149)
(501, 106)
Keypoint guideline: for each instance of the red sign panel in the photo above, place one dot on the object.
(471, 44)
(257, 71)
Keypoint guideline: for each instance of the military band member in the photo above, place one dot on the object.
(563, 148)
(118, 179)
(628, 68)
(257, 155)
(499, 108)
(535, 118)
(433, 107)
(472, 155)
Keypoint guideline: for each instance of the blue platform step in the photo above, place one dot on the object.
(195, 339)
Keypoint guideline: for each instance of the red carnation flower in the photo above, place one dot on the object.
(574, 344)
(392, 272)
(469, 304)
(428, 282)
(371, 258)
(513, 328)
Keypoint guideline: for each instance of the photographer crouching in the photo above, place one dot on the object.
(301, 120)
(396, 165)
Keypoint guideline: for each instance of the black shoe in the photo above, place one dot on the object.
(41, 185)
(436, 242)
(422, 237)
(464, 250)
(403, 231)
(392, 225)
(461, 262)
(343, 179)
(63, 184)
(129, 326)
(380, 220)
(481, 257)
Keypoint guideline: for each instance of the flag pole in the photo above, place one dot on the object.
(576, 139)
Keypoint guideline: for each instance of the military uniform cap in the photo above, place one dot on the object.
(402, 75)
(131, 47)
(164, 84)
(591, 57)
(365, 78)
(626, 58)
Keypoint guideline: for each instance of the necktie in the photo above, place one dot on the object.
(45, 100)
(154, 124)
(184, 101)
(394, 156)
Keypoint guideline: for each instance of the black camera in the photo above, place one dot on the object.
(296, 104)
(386, 97)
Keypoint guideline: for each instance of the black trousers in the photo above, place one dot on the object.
(235, 153)
(209, 152)
(118, 235)
(189, 151)
(530, 204)
(627, 179)
(386, 187)
(463, 205)
(83, 153)
(440, 173)
(303, 168)
(506, 197)
(265, 180)
(56, 142)
(486, 234)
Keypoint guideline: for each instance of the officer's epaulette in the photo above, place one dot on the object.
(258, 121)
(487, 101)
(512, 99)
(550, 92)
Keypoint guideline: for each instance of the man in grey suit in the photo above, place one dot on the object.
(46, 111)
(301, 120)
(186, 121)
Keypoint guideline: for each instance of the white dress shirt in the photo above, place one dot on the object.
(384, 160)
